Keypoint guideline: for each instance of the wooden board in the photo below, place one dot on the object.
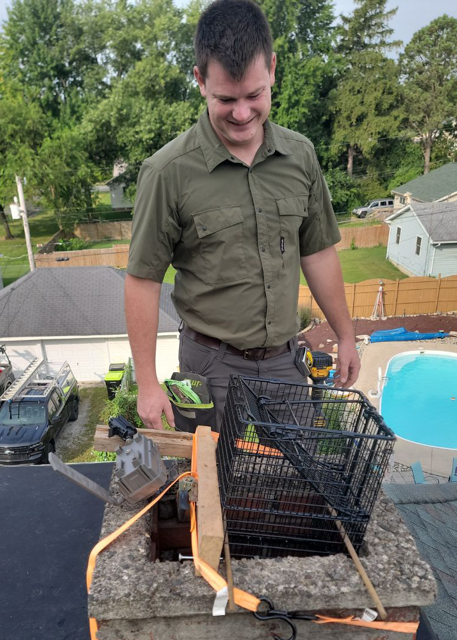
(209, 514)
(170, 443)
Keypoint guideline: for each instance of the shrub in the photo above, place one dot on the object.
(353, 244)
(305, 315)
(71, 244)
(103, 456)
(123, 404)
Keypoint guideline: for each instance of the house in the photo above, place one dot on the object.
(423, 239)
(77, 314)
(439, 184)
(430, 513)
(116, 188)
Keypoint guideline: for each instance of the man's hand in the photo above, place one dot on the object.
(152, 403)
(347, 370)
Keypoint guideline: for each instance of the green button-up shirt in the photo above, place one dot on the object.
(235, 233)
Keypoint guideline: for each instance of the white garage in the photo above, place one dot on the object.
(79, 299)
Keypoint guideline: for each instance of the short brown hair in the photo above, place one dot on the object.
(232, 33)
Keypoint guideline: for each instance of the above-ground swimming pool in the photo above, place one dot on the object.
(419, 398)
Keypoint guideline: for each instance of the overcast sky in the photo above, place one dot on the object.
(411, 15)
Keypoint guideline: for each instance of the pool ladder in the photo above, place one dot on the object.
(381, 384)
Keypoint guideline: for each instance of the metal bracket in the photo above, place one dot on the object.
(190, 485)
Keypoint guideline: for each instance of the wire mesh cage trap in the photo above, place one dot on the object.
(293, 461)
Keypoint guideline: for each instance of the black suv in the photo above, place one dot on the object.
(34, 410)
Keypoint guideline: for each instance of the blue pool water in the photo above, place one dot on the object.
(419, 400)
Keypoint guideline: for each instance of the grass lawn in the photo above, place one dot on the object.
(14, 261)
(95, 397)
(106, 244)
(366, 264)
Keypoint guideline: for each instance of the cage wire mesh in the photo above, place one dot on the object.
(292, 460)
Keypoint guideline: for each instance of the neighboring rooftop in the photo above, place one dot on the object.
(439, 219)
(432, 186)
(430, 513)
(73, 301)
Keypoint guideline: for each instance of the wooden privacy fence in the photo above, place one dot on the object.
(411, 296)
(114, 257)
(93, 231)
(370, 236)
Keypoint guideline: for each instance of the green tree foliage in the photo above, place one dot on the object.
(365, 102)
(429, 73)
(305, 72)
(45, 50)
(366, 105)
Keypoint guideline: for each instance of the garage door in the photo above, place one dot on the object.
(89, 360)
(21, 354)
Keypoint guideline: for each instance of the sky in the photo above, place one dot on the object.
(411, 16)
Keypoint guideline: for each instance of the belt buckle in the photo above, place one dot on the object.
(251, 354)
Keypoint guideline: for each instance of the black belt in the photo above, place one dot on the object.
(261, 353)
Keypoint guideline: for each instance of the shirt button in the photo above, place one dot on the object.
(259, 209)
(270, 150)
(232, 158)
(269, 321)
(263, 249)
(268, 286)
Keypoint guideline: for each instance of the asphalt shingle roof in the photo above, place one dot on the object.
(72, 301)
(439, 219)
(432, 186)
(430, 513)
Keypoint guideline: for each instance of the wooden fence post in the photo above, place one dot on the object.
(353, 300)
(396, 297)
(438, 288)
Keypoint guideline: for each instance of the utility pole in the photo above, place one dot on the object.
(25, 222)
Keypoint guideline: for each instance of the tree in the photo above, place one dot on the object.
(45, 50)
(429, 73)
(302, 33)
(3, 218)
(365, 103)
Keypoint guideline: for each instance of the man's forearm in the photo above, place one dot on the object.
(142, 314)
(322, 271)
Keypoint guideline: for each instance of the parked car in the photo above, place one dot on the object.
(6, 370)
(374, 206)
(34, 409)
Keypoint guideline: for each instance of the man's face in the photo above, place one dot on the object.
(238, 109)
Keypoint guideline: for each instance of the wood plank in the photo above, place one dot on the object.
(170, 443)
(209, 514)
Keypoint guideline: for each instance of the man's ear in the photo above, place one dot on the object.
(201, 81)
(272, 69)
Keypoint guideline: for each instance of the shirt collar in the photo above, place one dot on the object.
(215, 152)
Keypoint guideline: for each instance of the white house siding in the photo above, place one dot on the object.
(89, 357)
(404, 253)
(445, 262)
(167, 355)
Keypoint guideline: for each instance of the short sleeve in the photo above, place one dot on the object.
(320, 229)
(155, 227)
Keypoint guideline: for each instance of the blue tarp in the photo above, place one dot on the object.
(400, 334)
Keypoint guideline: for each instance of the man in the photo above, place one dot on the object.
(237, 204)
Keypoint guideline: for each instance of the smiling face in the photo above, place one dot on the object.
(238, 109)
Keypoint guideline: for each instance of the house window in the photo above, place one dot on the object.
(418, 245)
(402, 200)
(398, 236)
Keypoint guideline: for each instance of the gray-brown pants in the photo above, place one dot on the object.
(217, 365)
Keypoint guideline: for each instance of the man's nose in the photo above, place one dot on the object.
(241, 112)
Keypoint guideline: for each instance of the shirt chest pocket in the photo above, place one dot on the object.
(292, 213)
(221, 244)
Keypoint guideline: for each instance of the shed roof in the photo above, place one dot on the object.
(72, 301)
(437, 184)
(430, 513)
(439, 219)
